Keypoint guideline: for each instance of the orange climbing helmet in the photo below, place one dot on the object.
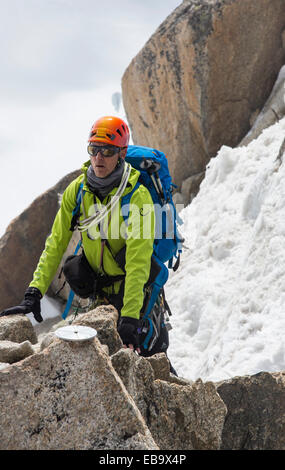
(110, 130)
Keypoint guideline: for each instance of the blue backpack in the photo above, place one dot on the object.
(154, 174)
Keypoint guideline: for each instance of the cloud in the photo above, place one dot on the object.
(50, 46)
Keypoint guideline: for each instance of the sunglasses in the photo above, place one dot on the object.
(105, 150)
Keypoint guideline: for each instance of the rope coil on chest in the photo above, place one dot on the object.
(96, 218)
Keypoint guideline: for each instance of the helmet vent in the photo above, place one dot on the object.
(110, 129)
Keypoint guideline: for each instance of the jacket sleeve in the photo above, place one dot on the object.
(57, 242)
(139, 249)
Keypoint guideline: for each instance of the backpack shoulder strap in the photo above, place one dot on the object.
(76, 210)
(125, 202)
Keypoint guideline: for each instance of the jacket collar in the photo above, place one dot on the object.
(133, 178)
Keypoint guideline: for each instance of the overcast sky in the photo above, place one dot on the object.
(61, 61)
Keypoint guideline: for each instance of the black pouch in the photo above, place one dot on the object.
(155, 269)
(80, 276)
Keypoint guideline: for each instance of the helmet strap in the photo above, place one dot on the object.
(120, 159)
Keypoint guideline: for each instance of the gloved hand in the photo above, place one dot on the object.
(31, 303)
(128, 331)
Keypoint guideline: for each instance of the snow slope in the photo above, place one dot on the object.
(228, 296)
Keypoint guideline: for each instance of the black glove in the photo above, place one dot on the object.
(31, 303)
(128, 331)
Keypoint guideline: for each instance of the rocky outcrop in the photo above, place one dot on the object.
(179, 415)
(23, 242)
(105, 323)
(256, 412)
(197, 82)
(77, 396)
(17, 328)
(11, 352)
(190, 187)
(272, 112)
(68, 397)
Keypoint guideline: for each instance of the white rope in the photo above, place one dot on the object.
(100, 215)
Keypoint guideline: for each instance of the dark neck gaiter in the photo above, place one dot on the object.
(102, 186)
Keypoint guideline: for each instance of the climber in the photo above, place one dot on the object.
(96, 272)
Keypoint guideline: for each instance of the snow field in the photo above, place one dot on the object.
(228, 296)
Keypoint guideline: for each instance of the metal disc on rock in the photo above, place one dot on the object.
(75, 333)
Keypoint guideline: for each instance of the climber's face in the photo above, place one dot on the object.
(102, 165)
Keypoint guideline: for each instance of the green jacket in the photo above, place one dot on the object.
(138, 240)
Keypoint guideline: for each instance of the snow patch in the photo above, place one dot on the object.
(228, 296)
